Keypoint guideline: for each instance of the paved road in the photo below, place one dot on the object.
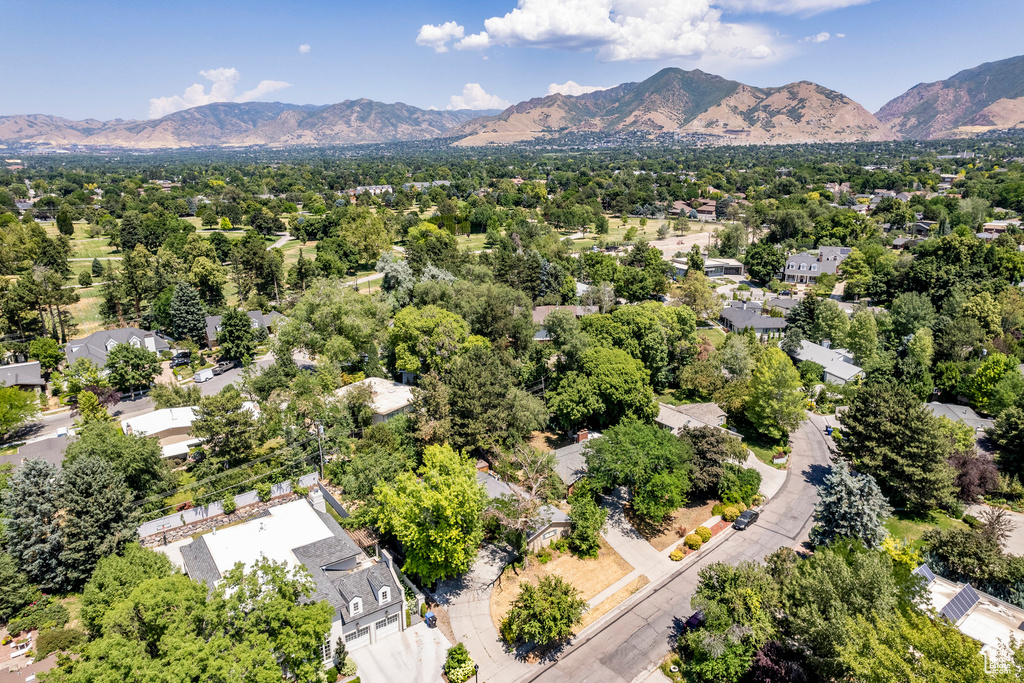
(629, 644)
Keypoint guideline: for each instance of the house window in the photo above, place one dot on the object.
(385, 595)
(357, 634)
(549, 534)
(803, 266)
(356, 606)
(325, 648)
(814, 266)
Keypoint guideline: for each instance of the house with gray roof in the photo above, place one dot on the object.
(570, 462)
(27, 376)
(741, 315)
(690, 416)
(365, 594)
(806, 268)
(551, 525)
(837, 364)
(257, 320)
(97, 345)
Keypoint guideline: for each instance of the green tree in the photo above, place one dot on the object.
(862, 335)
(47, 351)
(890, 435)
(437, 518)
(910, 312)
(31, 509)
(651, 462)
(187, 314)
(90, 410)
(980, 386)
(587, 518)
(175, 396)
(428, 338)
(695, 262)
(131, 367)
(65, 226)
(573, 401)
(543, 614)
(16, 406)
(850, 506)
(97, 268)
(98, 518)
(236, 338)
(620, 384)
(138, 459)
(1008, 433)
(764, 261)
(776, 404)
(336, 323)
(114, 579)
(17, 592)
(229, 430)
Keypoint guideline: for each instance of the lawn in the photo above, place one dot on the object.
(911, 528)
(590, 577)
(763, 447)
(714, 335)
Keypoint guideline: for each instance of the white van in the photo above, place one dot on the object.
(203, 375)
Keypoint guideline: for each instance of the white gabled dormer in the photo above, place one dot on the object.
(356, 606)
(384, 595)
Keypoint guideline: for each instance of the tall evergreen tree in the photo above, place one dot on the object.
(187, 314)
(31, 508)
(97, 268)
(850, 506)
(64, 223)
(97, 518)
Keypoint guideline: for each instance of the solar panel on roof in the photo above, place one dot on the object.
(926, 572)
(961, 604)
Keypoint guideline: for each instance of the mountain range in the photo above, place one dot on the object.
(717, 110)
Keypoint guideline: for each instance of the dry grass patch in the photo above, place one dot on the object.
(683, 521)
(590, 577)
(547, 441)
(612, 601)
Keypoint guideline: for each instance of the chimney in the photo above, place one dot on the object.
(316, 499)
(582, 436)
(743, 305)
(826, 343)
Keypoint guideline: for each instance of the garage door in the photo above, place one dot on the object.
(357, 638)
(385, 626)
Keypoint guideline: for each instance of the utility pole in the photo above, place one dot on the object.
(320, 446)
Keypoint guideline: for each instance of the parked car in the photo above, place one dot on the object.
(184, 353)
(745, 519)
(695, 621)
(178, 362)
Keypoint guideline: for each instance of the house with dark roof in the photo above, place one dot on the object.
(27, 376)
(551, 525)
(741, 315)
(690, 416)
(97, 345)
(807, 268)
(570, 461)
(257, 320)
(837, 364)
(365, 594)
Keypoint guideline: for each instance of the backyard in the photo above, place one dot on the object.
(911, 528)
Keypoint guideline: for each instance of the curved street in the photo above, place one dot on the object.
(628, 643)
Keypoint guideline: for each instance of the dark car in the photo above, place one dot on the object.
(745, 519)
(178, 362)
(695, 621)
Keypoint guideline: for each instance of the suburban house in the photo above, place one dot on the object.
(172, 427)
(387, 398)
(366, 595)
(570, 463)
(690, 416)
(806, 268)
(97, 345)
(713, 267)
(706, 211)
(838, 366)
(681, 208)
(26, 376)
(785, 305)
(257, 319)
(552, 525)
(742, 315)
(990, 621)
(540, 313)
(962, 414)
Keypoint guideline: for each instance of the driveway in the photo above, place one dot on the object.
(415, 655)
(1014, 545)
(628, 646)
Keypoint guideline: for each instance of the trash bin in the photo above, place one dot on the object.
(828, 429)
(431, 620)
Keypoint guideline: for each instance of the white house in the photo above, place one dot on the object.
(365, 594)
(172, 427)
(838, 366)
(388, 398)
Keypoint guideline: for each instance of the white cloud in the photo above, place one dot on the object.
(805, 7)
(617, 30)
(223, 82)
(573, 88)
(438, 37)
(474, 97)
(304, 48)
(817, 38)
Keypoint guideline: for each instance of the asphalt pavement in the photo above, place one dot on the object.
(628, 645)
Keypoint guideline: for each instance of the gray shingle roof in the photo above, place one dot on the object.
(570, 465)
(199, 562)
(741, 319)
(22, 375)
(364, 584)
(257, 318)
(95, 346)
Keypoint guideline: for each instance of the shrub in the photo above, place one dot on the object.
(263, 491)
(349, 667)
(972, 521)
(704, 533)
(717, 509)
(300, 491)
(423, 610)
(743, 287)
(677, 555)
(333, 674)
(230, 505)
(693, 541)
(730, 514)
(44, 614)
(561, 545)
(544, 556)
(58, 640)
(85, 279)
(741, 506)
(458, 665)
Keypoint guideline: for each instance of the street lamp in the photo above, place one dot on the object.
(476, 673)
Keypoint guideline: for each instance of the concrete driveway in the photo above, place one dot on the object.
(416, 655)
(1014, 544)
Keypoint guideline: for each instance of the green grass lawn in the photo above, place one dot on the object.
(911, 528)
(714, 335)
(762, 447)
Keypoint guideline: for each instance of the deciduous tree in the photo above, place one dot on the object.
(776, 404)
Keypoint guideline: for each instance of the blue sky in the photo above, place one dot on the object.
(107, 59)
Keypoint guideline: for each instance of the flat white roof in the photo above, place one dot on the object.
(288, 526)
(388, 396)
(159, 421)
(991, 622)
